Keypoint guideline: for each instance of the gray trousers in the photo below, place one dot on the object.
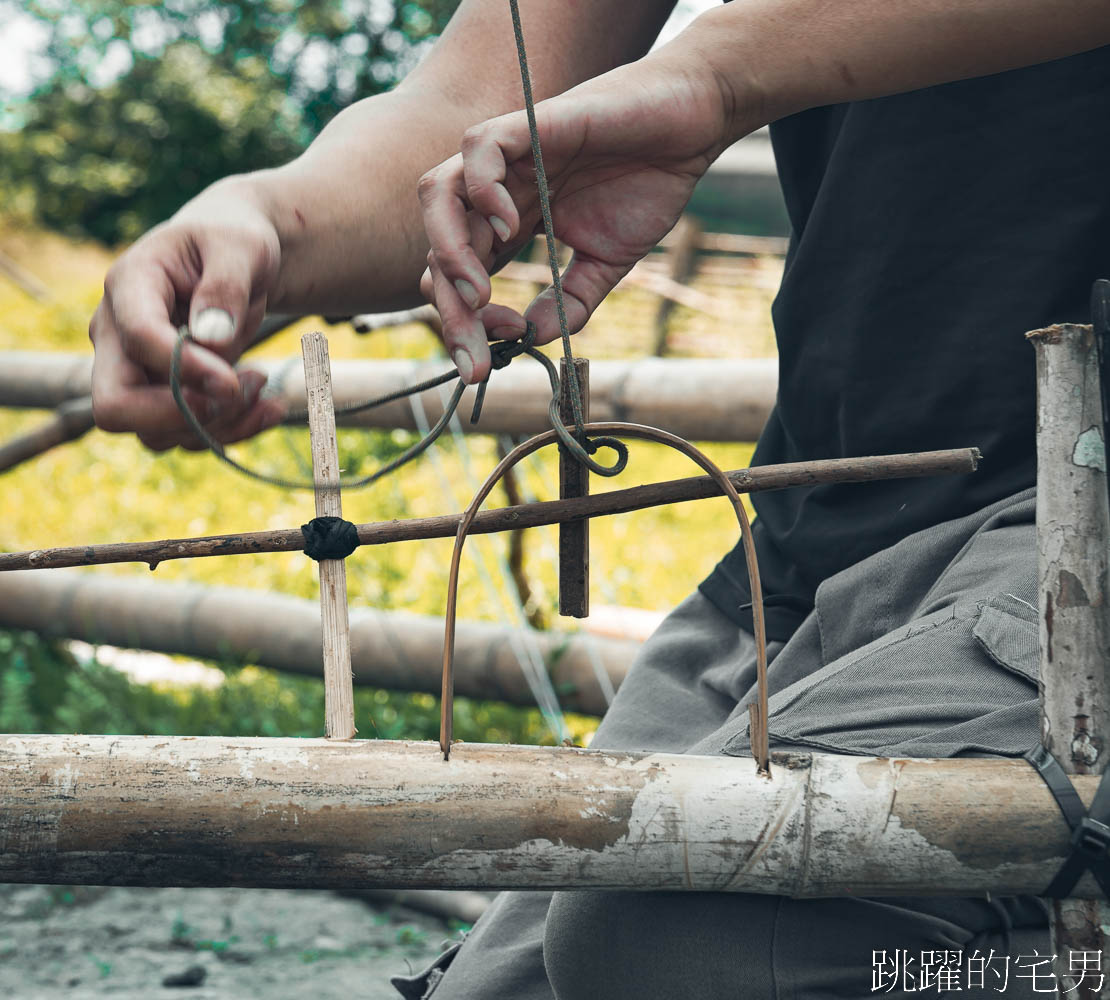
(927, 649)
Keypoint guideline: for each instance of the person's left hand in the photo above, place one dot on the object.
(622, 154)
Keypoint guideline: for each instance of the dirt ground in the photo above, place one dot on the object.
(221, 944)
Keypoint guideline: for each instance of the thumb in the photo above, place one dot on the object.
(585, 282)
(233, 284)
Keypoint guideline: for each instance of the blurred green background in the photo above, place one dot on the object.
(130, 108)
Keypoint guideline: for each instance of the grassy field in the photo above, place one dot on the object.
(109, 488)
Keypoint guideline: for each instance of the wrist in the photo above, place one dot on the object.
(717, 46)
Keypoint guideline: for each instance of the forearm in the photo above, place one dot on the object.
(346, 212)
(772, 58)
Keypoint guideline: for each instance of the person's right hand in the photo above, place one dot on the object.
(212, 266)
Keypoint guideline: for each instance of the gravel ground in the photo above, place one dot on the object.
(221, 944)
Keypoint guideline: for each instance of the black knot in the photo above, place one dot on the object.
(329, 538)
(503, 352)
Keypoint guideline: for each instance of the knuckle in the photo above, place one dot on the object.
(474, 136)
(107, 416)
(428, 185)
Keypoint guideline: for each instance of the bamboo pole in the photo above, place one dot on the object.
(957, 461)
(339, 698)
(389, 649)
(70, 421)
(1073, 541)
(135, 810)
(700, 399)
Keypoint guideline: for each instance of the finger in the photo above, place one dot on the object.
(140, 299)
(124, 399)
(442, 197)
(585, 282)
(463, 331)
(222, 303)
(486, 151)
(259, 415)
(502, 323)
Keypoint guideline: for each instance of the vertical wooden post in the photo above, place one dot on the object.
(339, 698)
(682, 259)
(1073, 542)
(574, 481)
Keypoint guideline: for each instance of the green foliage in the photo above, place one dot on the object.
(200, 90)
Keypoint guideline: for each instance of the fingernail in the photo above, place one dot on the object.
(468, 292)
(213, 326)
(500, 226)
(463, 362)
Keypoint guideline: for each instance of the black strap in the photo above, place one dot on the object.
(329, 538)
(1090, 829)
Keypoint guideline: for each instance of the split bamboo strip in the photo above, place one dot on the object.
(339, 698)
(958, 461)
(1073, 541)
(700, 399)
(135, 810)
(389, 649)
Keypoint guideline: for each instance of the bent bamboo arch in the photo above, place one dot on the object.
(613, 429)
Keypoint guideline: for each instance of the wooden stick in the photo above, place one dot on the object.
(574, 481)
(955, 462)
(1073, 544)
(71, 420)
(339, 697)
(149, 810)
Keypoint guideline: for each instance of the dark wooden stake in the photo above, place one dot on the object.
(574, 481)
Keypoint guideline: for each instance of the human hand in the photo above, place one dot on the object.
(622, 154)
(212, 266)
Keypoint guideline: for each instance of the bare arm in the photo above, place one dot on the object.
(337, 230)
(625, 149)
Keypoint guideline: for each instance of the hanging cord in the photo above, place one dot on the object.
(501, 352)
(549, 236)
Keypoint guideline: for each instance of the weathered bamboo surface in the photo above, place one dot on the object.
(393, 649)
(701, 399)
(958, 461)
(339, 695)
(1073, 545)
(135, 810)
